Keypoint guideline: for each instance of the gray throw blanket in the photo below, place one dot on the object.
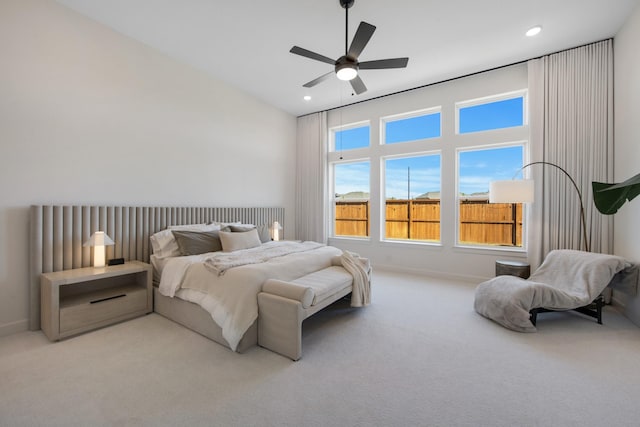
(220, 262)
(567, 279)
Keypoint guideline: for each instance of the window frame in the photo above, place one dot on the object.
(489, 146)
(523, 93)
(332, 136)
(383, 195)
(333, 199)
(447, 145)
(409, 115)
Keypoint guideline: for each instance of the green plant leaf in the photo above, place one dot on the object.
(608, 198)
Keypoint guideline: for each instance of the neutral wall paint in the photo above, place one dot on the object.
(627, 145)
(446, 259)
(88, 116)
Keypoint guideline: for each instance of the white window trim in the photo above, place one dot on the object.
(333, 130)
(522, 93)
(332, 204)
(409, 115)
(525, 159)
(383, 194)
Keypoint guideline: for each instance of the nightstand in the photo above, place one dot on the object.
(82, 299)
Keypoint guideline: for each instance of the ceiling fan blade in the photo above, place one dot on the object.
(312, 55)
(357, 85)
(384, 63)
(320, 79)
(360, 40)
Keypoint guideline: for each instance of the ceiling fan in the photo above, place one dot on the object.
(346, 67)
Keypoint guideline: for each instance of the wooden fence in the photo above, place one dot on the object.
(481, 222)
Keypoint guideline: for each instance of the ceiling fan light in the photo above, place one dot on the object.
(347, 73)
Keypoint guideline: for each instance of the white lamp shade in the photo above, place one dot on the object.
(98, 240)
(512, 191)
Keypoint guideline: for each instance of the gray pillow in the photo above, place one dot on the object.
(263, 230)
(240, 228)
(197, 242)
(264, 233)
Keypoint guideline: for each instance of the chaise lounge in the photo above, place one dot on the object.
(566, 280)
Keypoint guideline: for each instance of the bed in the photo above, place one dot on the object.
(57, 234)
(225, 284)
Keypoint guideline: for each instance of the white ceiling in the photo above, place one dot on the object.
(246, 43)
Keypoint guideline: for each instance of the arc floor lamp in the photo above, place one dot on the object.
(522, 191)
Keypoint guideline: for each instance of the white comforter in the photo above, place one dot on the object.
(231, 298)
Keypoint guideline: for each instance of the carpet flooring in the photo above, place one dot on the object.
(418, 356)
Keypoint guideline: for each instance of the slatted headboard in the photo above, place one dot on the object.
(58, 232)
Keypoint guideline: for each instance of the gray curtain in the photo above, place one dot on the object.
(311, 183)
(571, 119)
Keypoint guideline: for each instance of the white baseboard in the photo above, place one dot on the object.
(617, 303)
(621, 306)
(14, 327)
(430, 273)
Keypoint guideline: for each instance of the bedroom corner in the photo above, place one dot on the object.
(627, 147)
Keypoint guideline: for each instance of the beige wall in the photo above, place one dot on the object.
(627, 144)
(88, 116)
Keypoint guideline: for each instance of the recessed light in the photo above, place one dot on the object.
(533, 31)
(307, 98)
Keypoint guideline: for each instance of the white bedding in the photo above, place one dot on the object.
(231, 298)
(220, 262)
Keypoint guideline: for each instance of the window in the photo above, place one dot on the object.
(351, 199)
(412, 193)
(421, 177)
(481, 222)
(490, 115)
(352, 137)
(422, 126)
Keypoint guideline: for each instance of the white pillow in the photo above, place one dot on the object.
(164, 244)
(234, 241)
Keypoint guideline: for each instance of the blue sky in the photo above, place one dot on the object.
(424, 173)
(477, 168)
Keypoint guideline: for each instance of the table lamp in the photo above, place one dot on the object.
(98, 240)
